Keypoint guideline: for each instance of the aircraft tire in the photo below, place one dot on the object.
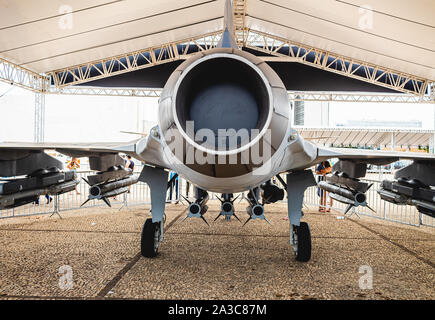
(149, 244)
(303, 251)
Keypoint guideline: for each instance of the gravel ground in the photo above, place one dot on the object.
(224, 261)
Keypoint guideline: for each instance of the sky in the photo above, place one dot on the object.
(100, 119)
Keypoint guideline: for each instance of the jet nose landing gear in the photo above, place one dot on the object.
(300, 239)
(152, 232)
(151, 237)
(300, 236)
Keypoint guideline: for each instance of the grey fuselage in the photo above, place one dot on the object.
(225, 89)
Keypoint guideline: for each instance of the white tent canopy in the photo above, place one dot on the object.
(396, 34)
(368, 137)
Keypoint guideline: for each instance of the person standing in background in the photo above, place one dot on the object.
(173, 185)
(47, 196)
(73, 165)
(129, 164)
(322, 169)
(187, 188)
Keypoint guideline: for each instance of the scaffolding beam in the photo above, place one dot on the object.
(278, 48)
(239, 9)
(39, 124)
(22, 77)
(336, 63)
(416, 89)
(293, 95)
(110, 92)
(133, 61)
(359, 97)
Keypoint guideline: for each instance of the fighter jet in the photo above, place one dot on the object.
(224, 125)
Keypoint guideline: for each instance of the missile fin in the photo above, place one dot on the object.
(236, 217)
(235, 198)
(107, 201)
(184, 219)
(247, 221)
(202, 217)
(85, 202)
(189, 202)
(370, 208)
(348, 208)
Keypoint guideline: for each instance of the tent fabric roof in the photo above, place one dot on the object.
(370, 137)
(396, 34)
(35, 36)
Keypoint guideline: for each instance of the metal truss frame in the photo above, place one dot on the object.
(133, 61)
(398, 137)
(279, 48)
(432, 91)
(39, 124)
(334, 62)
(239, 9)
(63, 80)
(22, 77)
(293, 95)
(358, 97)
(111, 92)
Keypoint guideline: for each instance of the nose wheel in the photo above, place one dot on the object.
(301, 240)
(150, 238)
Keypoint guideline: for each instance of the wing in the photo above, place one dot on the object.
(412, 185)
(9, 149)
(146, 149)
(39, 173)
(370, 156)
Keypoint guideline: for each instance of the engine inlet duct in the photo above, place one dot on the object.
(223, 115)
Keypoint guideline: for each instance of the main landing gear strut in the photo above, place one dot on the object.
(297, 183)
(300, 236)
(152, 232)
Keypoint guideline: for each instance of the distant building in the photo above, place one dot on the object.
(311, 113)
(299, 112)
(382, 123)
